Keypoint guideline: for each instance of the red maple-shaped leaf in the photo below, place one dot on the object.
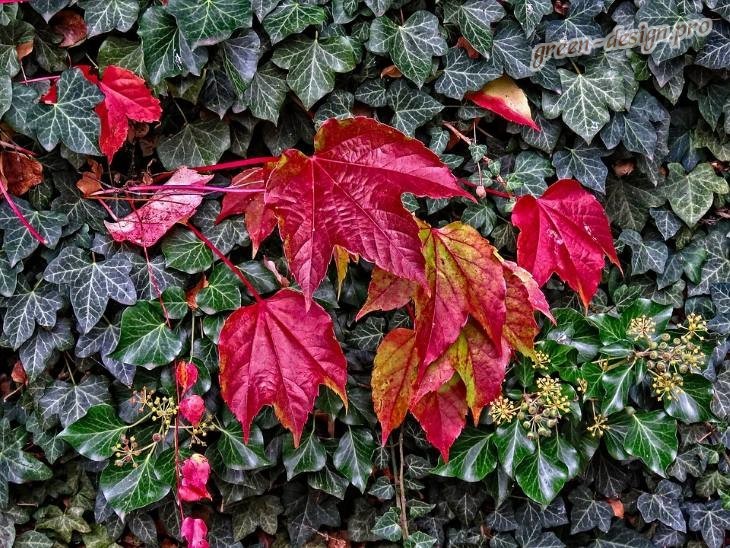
(465, 278)
(260, 220)
(565, 231)
(147, 224)
(504, 97)
(348, 193)
(386, 292)
(276, 352)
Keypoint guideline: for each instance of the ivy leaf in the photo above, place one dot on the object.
(691, 194)
(541, 475)
(471, 458)
(197, 144)
(130, 487)
(312, 64)
(71, 119)
(43, 349)
(240, 56)
(69, 402)
(388, 525)
(26, 308)
(411, 108)
(102, 16)
(166, 52)
(8, 276)
(588, 513)
(511, 50)
(252, 373)
(513, 446)
(62, 523)
(207, 23)
(578, 24)
(308, 456)
(645, 254)
(266, 93)
(92, 283)
(530, 12)
(627, 202)
(292, 17)
(354, 456)
(663, 505)
(711, 519)
(256, 513)
(332, 180)
(692, 403)
(474, 18)
(652, 437)
(145, 339)
(578, 237)
(17, 466)
(96, 434)
(463, 74)
(715, 54)
(238, 455)
(221, 291)
(584, 164)
(411, 45)
(18, 243)
(587, 98)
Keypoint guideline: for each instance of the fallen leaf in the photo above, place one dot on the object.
(90, 181)
(391, 71)
(19, 172)
(18, 374)
(150, 222)
(566, 232)
(348, 193)
(464, 44)
(276, 352)
(504, 97)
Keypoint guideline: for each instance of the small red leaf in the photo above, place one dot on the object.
(186, 375)
(275, 352)
(194, 531)
(260, 220)
(192, 409)
(442, 414)
(19, 172)
(348, 193)
(70, 26)
(194, 473)
(565, 231)
(146, 225)
(386, 292)
(504, 97)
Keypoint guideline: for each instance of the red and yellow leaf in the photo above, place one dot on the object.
(524, 297)
(566, 232)
(394, 375)
(276, 352)
(465, 278)
(348, 193)
(147, 224)
(504, 97)
(386, 292)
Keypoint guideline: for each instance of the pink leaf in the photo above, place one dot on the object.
(149, 223)
(192, 409)
(194, 532)
(195, 472)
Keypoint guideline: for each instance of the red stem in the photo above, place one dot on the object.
(19, 214)
(15, 147)
(488, 190)
(177, 451)
(195, 189)
(40, 79)
(237, 271)
(234, 164)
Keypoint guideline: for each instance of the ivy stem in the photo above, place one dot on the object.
(19, 214)
(233, 268)
(488, 190)
(404, 514)
(469, 141)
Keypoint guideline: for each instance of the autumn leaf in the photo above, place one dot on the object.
(465, 278)
(126, 97)
(194, 474)
(260, 220)
(19, 172)
(565, 231)
(504, 97)
(348, 193)
(395, 370)
(442, 414)
(192, 409)
(186, 375)
(146, 225)
(195, 531)
(70, 26)
(276, 352)
(386, 292)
